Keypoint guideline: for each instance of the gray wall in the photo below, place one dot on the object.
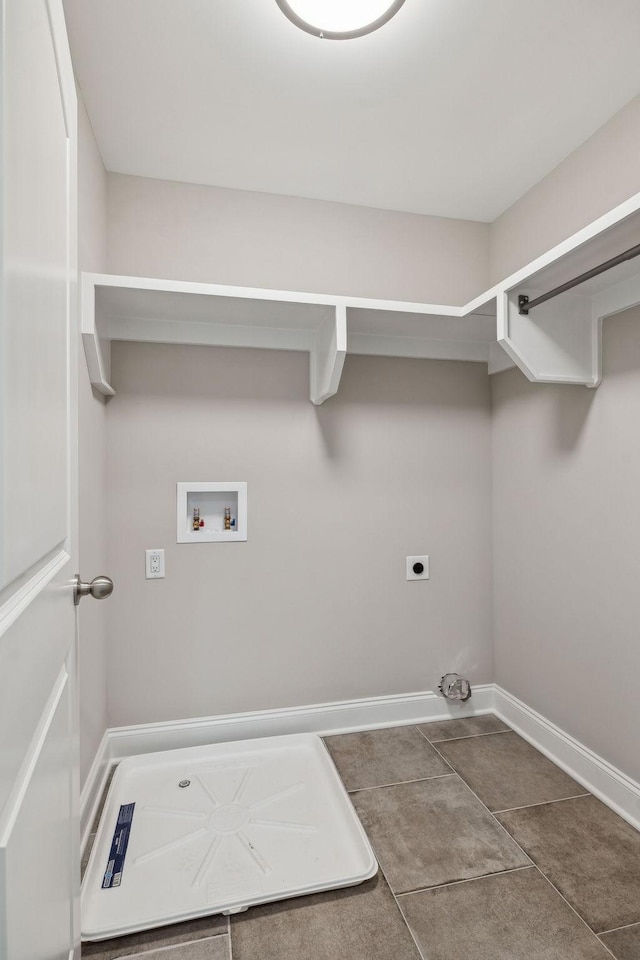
(596, 177)
(566, 476)
(92, 459)
(566, 484)
(185, 232)
(314, 606)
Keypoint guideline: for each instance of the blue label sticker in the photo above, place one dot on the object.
(115, 867)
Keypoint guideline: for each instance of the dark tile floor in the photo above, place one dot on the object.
(487, 851)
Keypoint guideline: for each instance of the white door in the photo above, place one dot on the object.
(39, 859)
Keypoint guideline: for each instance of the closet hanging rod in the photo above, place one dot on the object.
(525, 305)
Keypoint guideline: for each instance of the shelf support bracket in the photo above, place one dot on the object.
(561, 344)
(93, 347)
(326, 358)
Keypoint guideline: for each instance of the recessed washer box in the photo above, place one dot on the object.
(211, 499)
(216, 829)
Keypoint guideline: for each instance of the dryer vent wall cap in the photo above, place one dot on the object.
(454, 687)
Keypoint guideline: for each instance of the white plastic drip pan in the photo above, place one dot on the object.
(216, 829)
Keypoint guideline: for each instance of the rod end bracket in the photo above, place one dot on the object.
(523, 305)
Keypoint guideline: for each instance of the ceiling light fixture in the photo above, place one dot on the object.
(339, 19)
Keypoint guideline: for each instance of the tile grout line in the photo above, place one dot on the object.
(454, 883)
(384, 876)
(541, 803)
(532, 861)
(571, 907)
(398, 783)
(229, 936)
(624, 926)
(399, 908)
(167, 946)
(603, 944)
(148, 947)
(423, 734)
(469, 736)
(502, 827)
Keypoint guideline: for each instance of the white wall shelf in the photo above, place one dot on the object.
(210, 499)
(558, 342)
(327, 327)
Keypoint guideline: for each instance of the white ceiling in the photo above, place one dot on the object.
(454, 108)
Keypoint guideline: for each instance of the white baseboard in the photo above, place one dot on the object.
(93, 787)
(347, 716)
(602, 779)
(605, 781)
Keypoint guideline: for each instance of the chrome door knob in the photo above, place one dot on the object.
(100, 588)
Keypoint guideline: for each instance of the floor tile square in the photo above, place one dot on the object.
(589, 853)
(379, 757)
(512, 916)
(624, 944)
(432, 832)
(150, 940)
(505, 771)
(464, 727)
(358, 923)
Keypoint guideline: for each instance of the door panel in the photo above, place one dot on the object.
(37, 900)
(31, 654)
(39, 791)
(35, 441)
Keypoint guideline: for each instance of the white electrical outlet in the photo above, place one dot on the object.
(154, 564)
(417, 568)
